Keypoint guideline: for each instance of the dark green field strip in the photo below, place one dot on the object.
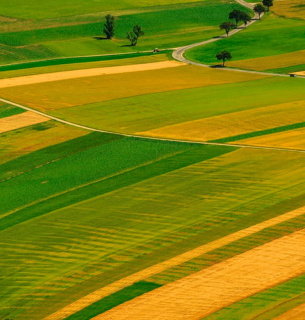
(198, 238)
(62, 61)
(268, 304)
(261, 133)
(81, 168)
(228, 251)
(114, 300)
(53, 153)
(60, 197)
(7, 111)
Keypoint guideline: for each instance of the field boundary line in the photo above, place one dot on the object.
(127, 135)
(155, 269)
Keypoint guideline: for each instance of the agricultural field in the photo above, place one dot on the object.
(136, 186)
(266, 52)
(167, 24)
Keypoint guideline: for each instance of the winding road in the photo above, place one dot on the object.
(178, 54)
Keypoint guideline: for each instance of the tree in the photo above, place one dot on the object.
(227, 26)
(245, 18)
(259, 9)
(223, 55)
(235, 15)
(109, 26)
(134, 35)
(268, 3)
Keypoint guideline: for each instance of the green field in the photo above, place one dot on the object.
(263, 39)
(93, 220)
(165, 27)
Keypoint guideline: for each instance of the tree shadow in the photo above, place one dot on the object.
(100, 38)
(216, 66)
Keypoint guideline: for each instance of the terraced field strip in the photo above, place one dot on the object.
(125, 282)
(21, 120)
(75, 74)
(232, 124)
(297, 313)
(216, 287)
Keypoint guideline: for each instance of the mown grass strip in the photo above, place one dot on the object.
(62, 61)
(261, 133)
(114, 300)
(192, 155)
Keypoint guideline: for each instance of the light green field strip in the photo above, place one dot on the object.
(297, 313)
(211, 289)
(118, 285)
(76, 74)
(21, 120)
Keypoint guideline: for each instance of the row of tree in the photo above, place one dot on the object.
(133, 36)
(239, 16)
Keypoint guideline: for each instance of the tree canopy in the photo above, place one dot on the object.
(223, 55)
(135, 34)
(259, 9)
(227, 26)
(109, 26)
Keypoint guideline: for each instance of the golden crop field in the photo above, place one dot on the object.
(289, 9)
(67, 93)
(271, 62)
(233, 123)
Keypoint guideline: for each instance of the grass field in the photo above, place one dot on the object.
(166, 26)
(247, 49)
(92, 223)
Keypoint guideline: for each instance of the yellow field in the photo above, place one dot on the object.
(85, 73)
(289, 9)
(20, 121)
(271, 62)
(83, 65)
(300, 73)
(25, 141)
(297, 313)
(73, 92)
(144, 274)
(216, 287)
(233, 123)
(293, 139)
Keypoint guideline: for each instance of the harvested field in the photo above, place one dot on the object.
(297, 313)
(158, 268)
(84, 91)
(271, 62)
(233, 123)
(75, 74)
(22, 120)
(209, 290)
(292, 139)
(289, 9)
(300, 73)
